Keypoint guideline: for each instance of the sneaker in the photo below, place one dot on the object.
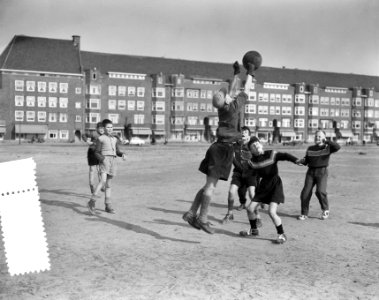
(91, 207)
(325, 214)
(188, 217)
(302, 217)
(227, 219)
(259, 223)
(249, 232)
(205, 226)
(281, 239)
(241, 207)
(109, 209)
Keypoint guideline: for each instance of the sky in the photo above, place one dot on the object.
(322, 35)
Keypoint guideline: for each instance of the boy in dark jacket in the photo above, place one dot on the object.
(317, 160)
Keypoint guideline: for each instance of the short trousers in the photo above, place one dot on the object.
(242, 180)
(218, 161)
(91, 157)
(108, 165)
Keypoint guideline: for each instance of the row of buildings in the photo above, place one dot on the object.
(51, 89)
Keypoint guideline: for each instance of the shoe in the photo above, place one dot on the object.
(227, 219)
(188, 217)
(241, 207)
(109, 209)
(249, 232)
(325, 214)
(281, 239)
(259, 223)
(91, 207)
(205, 226)
(302, 217)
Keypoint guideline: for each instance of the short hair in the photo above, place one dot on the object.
(253, 140)
(320, 130)
(99, 125)
(245, 128)
(106, 122)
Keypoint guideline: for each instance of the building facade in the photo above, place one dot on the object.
(58, 93)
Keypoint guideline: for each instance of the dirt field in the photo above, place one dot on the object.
(146, 250)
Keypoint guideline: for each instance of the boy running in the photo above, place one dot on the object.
(107, 149)
(93, 162)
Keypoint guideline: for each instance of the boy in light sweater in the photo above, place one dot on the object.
(107, 149)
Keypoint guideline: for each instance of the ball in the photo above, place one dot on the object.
(252, 57)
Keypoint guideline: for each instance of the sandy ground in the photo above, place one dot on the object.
(146, 250)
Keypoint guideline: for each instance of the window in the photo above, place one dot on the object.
(94, 103)
(313, 123)
(369, 102)
(252, 96)
(41, 86)
(140, 92)
(203, 94)
(195, 106)
(158, 92)
(314, 99)
(177, 106)
(53, 87)
(52, 102)
(345, 112)
(112, 90)
(19, 85)
(121, 104)
(299, 98)
(299, 111)
(250, 122)
(30, 116)
(93, 118)
(355, 113)
(324, 112)
(78, 118)
(158, 119)
(191, 93)
(272, 110)
(178, 92)
(30, 101)
(63, 88)
(41, 101)
(251, 108)
(338, 101)
(263, 97)
(19, 100)
(209, 107)
(131, 105)
(158, 106)
(63, 117)
(272, 97)
(78, 90)
(41, 116)
(299, 123)
(177, 120)
(262, 122)
(30, 86)
(114, 118)
(332, 101)
(357, 102)
(94, 89)
(192, 120)
(63, 134)
(53, 134)
(344, 124)
(140, 105)
(278, 98)
(52, 117)
(324, 100)
(345, 101)
(78, 105)
(286, 123)
(202, 107)
(63, 102)
(286, 110)
(277, 110)
(356, 124)
(112, 104)
(131, 91)
(139, 119)
(286, 98)
(262, 110)
(122, 90)
(19, 115)
(209, 94)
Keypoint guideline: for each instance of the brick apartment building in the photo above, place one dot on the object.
(51, 89)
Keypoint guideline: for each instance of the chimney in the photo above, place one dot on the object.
(76, 40)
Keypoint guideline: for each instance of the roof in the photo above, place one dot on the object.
(41, 54)
(106, 62)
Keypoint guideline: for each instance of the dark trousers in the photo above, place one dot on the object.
(315, 177)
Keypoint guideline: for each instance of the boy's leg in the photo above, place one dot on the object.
(251, 190)
(94, 197)
(242, 196)
(277, 222)
(108, 204)
(321, 194)
(306, 194)
(92, 183)
(206, 200)
(252, 217)
(190, 216)
(231, 195)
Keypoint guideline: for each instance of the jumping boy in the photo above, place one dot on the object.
(92, 160)
(107, 149)
(270, 187)
(219, 157)
(317, 160)
(242, 177)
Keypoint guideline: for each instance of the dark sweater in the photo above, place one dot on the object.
(318, 156)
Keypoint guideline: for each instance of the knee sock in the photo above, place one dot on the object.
(253, 224)
(279, 229)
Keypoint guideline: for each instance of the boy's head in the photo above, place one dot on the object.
(220, 98)
(100, 128)
(255, 146)
(320, 137)
(108, 126)
(245, 134)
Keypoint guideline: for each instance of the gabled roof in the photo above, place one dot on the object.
(41, 55)
(105, 62)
